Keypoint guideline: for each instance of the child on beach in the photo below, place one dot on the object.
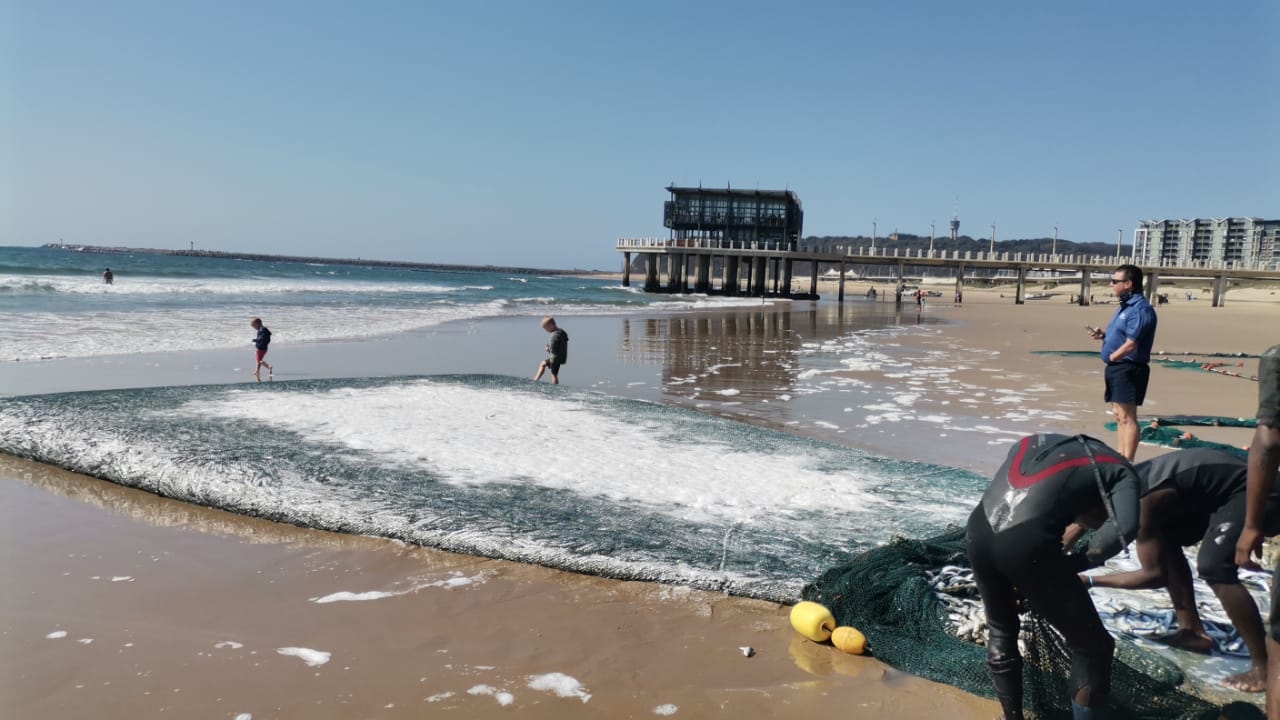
(261, 341)
(557, 351)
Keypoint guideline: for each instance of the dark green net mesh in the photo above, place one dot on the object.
(885, 593)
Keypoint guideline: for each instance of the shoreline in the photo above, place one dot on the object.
(199, 578)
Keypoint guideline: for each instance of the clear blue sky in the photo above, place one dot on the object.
(537, 132)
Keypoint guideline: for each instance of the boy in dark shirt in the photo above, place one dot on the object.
(557, 351)
(261, 341)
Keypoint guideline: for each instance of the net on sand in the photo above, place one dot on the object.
(885, 593)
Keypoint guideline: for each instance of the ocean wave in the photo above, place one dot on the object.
(495, 466)
(218, 286)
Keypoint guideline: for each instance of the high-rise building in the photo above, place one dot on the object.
(1243, 241)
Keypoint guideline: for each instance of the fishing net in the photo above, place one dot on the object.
(886, 593)
(1169, 435)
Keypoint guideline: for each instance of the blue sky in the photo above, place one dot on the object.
(536, 133)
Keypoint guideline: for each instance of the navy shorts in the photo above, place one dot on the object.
(1127, 383)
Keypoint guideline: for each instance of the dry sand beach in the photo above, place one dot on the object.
(120, 604)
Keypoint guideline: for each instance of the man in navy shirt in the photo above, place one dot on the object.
(1126, 349)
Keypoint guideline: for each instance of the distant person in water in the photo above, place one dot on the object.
(557, 351)
(261, 341)
(107, 277)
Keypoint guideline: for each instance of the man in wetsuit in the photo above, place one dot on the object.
(1195, 496)
(1264, 458)
(1015, 547)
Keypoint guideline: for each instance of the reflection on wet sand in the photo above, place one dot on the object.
(746, 354)
(163, 512)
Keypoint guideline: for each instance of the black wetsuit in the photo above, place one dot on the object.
(1211, 488)
(1269, 415)
(1015, 547)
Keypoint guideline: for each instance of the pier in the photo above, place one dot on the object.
(716, 266)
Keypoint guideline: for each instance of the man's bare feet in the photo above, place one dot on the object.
(1187, 640)
(1253, 681)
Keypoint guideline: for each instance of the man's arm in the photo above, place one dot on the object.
(1150, 547)
(1264, 457)
(1123, 351)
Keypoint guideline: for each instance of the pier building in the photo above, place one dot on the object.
(746, 242)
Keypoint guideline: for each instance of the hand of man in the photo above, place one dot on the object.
(1249, 544)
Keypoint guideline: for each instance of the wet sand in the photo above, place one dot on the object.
(174, 610)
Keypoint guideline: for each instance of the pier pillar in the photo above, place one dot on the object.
(730, 284)
(1020, 292)
(960, 281)
(626, 269)
(1086, 286)
(786, 276)
(840, 298)
(703, 282)
(897, 285)
(651, 283)
(760, 276)
(1219, 290)
(813, 278)
(1152, 286)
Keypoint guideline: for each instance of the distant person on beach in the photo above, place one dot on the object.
(1126, 350)
(261, 341)
(1014, 537)
(108, 277)
(1264, 459)
(557, 351)
(1194, 496)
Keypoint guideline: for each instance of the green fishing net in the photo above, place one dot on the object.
(886, 594)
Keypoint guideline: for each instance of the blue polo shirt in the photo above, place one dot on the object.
(1136, 319)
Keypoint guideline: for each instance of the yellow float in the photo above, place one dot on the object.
(812, 620)
(850, 640)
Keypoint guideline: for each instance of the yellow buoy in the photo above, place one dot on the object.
(850, 640)
(812, 620)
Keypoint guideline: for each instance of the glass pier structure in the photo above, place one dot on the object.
(740, 219)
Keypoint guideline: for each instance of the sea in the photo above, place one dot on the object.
(723, 466)
(728, 444)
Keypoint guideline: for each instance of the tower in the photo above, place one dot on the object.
(955, 222)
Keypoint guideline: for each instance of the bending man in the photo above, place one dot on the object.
(1195, 496)
(1015, 547)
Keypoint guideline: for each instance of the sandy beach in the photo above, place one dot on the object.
(122, 604)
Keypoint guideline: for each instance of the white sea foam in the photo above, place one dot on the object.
(57, 634)
(666, 709)
(455, 580)
(399, 426)
(314, 658)
(503, 698)
(560, 684)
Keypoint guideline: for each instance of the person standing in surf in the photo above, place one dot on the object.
(557, 351)
(261, 341)
(108, 277)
